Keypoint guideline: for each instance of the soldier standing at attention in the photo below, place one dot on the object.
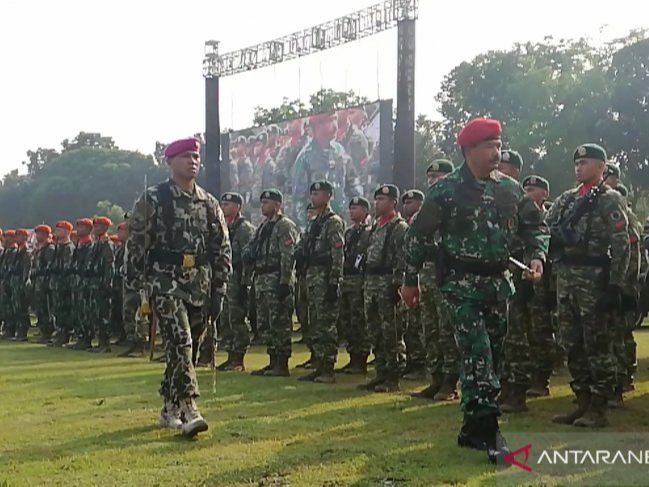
(80, 289)
(178, 232)
(413, 332)
(478, 212)
(352, 315)
(41, 281)
(383, 272)
(117, 290)
(61, 283)
(270, 257)
(21, 285)
(442, 355)
(100, 273)
(591, 224)
(8, 255)
(324, 267)
(235, 334)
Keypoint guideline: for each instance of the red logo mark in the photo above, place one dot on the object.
(526, 450)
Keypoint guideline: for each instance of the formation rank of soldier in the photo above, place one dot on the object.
(478, 281)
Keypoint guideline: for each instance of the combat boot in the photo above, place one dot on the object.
(504, 391)
(471, 435)
(193, 422)
(360, 366)
(390, 384)
(236, 363)
(616, 400)
(595, 416)
(369, 386)
(540, 385)
(60, 339)
(583, 402)
(103, 346)
(325, 374)
(311, 375)
(135, 350)
(415, 372)
(271, 364)
(448, 389)
(121, 339)
(170, 416)
(516, 400)
(430, 391)
(82, 344)
(497, 448)
(280, 367)
(226, 363)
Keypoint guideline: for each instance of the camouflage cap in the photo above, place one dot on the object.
(322, 186)
(231, 197)
(589, 151)
(271, 194)
(612, 169)
(440, 165)
(511, 157)
(387, 190)
(536, 182)
(412, 194)
(359, 201)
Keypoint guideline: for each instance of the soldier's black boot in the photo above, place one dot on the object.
(236, 363)
(540, 384)
(135, 349)
(61, 338)
(471, 434)
(390, 384)
(516, 401)
(280, 367)
(270, 365)
(121, 338)
(504, 391)
(497, 447)
(369, 386)
(104, 345)
(430, 391)
(595, 416)
(616, 400)
(325, 374)
(583, 402)
(360, 366)
(311, 375)
(225, 364)
(83, 343)
(448, 389)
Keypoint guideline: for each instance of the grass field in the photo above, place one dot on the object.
(75, 418)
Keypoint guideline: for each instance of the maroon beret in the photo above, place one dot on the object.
(182, 145)
(479, 130)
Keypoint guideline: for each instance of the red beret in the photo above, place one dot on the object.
(102, 220)
(43, 229)
(122, 226)
(84, 221)
(10, 233)
(182, 145)
(64, 224)
(114, 238)
(73, 233)
(479, 130)
(22, 232)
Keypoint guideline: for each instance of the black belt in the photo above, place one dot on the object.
(352, 272)
(267, 269)
(485, 269)
(323, 260)
(587, 260)
(168, 257)
(378, 271)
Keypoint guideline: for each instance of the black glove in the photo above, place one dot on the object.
(243, 294)
(283, 292)
(331, 296)
(612, 298)
(396, 297)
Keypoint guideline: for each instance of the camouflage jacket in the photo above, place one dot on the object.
(271, 253)
(8, 255)
(477, 220)
(41, 267)
(20, 267)
(324, 246)
(241, 232)
(61, 268)
(601, 232)
(357, 239)
(79, 264)
(99, 266)
(632, 282)
(196, 240)
(118, 276)
(385, 255)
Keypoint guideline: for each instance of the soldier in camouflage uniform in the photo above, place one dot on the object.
(61, 276)
(413, 331)
(270, 257)
(288, 153)
(591, 224)
(79, 285)
(352, 313)
(384, 267)
(2, 255)
(8, 255)
(99, 272)
(324, 265)
(235, 331)
(478, 212)
(21, 286)
(442, 356)
(117, 290)
(264, 167)
(357, 146)
(41, 277)
(178, 232)
(301, 290)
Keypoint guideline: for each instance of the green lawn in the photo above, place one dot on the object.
(76, 418)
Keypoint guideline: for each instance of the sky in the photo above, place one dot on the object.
(132, 69)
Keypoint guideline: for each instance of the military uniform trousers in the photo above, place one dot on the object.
(323, 317)
(352, 316)
(274, 316)
(235, 331)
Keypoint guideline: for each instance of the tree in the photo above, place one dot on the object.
(38, 159)
(89, 139)
(112, 211)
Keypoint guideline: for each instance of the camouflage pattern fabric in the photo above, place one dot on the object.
(21, 290)
(9, 325)
(61, 288)
(117, 293)
(81, 292)
(100, 276)
(42, 291)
